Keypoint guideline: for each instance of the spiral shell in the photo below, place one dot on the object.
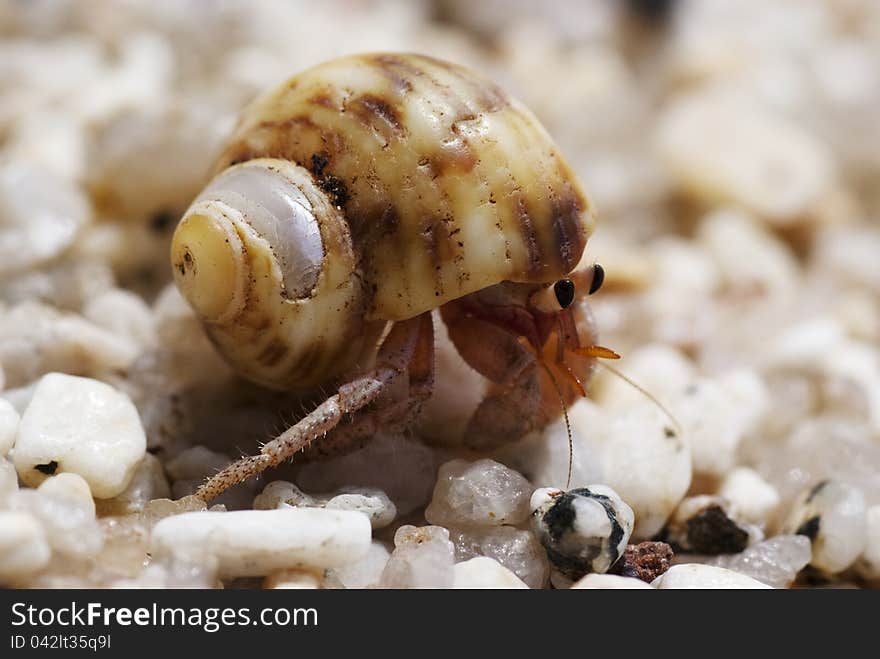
(435, 184)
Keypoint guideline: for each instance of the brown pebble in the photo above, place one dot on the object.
(645, 561)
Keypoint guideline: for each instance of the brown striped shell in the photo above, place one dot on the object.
(431, 184)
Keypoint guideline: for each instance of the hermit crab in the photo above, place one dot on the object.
(352, 201)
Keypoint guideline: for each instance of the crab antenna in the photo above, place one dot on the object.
(567, 422)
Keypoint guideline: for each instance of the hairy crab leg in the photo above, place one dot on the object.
(394, 414)
(393, 358)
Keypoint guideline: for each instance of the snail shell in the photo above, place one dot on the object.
(369, 189)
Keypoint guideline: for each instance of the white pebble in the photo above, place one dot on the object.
(23, 546)
(694, 575)
(657, 368)
(716, 415)
(36, 339)
(82, 426)
(40, 215)
(721, 146)
(832, 515)
(481, 493)
(259, 542)
(72, 487)
(9, 421)
(123, 313)
(734, 238)
(484, 572)
(610, 582)
(643, 459)
(750, 495)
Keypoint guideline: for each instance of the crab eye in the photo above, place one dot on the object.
(564, 290)
(598, 278)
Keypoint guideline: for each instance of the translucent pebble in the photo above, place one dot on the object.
(484, 572)
(517, 550)
(610, 582)
(832, 515)
(750, 495)
(775, 562)
(423, 557)
(23, 547)
(481, 493)
(148, 483)
(9, 420)
(583, 530)
(180, 570)
(695, 575)
(83, 426)
(364, 572)
(126, 543)
(822, 448)
(159, 509)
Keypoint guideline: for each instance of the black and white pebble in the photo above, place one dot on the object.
(832, 514)
(584, 530)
